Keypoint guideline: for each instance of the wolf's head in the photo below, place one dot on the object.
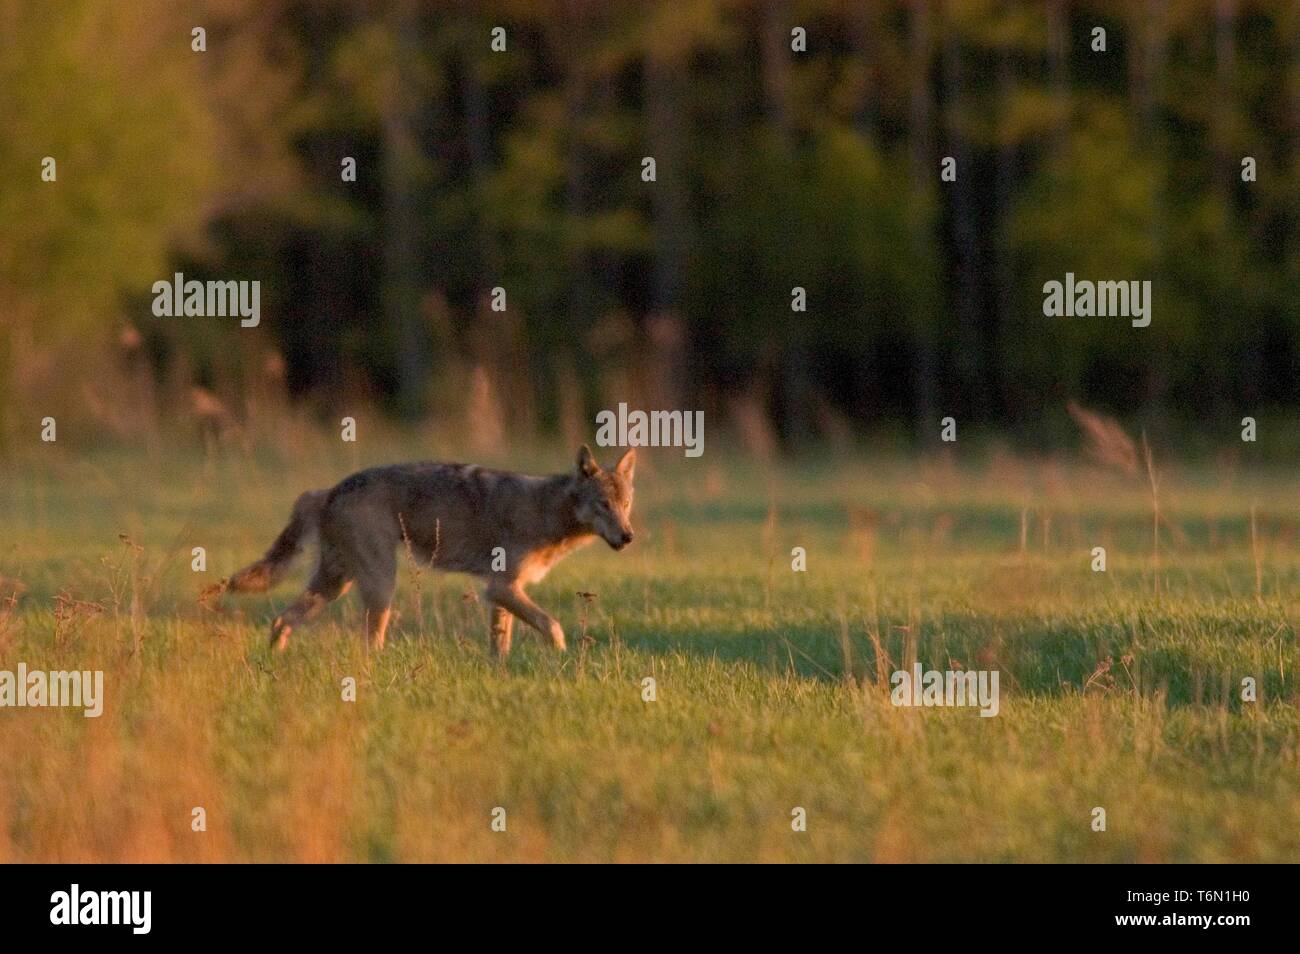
(603, 498)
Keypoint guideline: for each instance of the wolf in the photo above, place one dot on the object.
(507, 529)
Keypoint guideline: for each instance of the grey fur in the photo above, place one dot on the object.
(452, 517)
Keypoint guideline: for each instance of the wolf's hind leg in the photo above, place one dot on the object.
(503, 624)
(320, 592)
(376, 584)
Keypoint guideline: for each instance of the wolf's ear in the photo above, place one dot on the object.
(587, 466)
(626, 465)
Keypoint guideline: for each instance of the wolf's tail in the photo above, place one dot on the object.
(304, 526)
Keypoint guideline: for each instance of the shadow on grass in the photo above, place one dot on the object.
(1032, 656)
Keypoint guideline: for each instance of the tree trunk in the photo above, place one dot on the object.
(478, 140)
(1147, 59)
(1004, 184)
(670, 213)
(970, 362)
(1058, 54)
(920, 110)
(401, 292)
(796, 392)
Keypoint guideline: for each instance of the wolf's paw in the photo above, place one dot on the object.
(280, 635)
(556, 632)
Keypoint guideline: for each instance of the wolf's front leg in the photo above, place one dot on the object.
(512, 597)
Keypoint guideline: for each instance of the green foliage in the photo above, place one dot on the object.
(1093, 208)
(835, 219)
(776, 169)
(107, 91)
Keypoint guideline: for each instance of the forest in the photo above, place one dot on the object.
(816, 221)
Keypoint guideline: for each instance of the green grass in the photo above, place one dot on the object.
(769, 681)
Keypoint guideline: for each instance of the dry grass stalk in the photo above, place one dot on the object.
(1154, 480)
(1108, 444)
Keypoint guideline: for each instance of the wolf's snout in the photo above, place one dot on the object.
(623, 540)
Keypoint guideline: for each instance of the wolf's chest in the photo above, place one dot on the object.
(537, 563)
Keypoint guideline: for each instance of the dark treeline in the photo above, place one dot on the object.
(774, 169)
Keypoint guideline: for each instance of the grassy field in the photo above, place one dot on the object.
(1119, 690)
